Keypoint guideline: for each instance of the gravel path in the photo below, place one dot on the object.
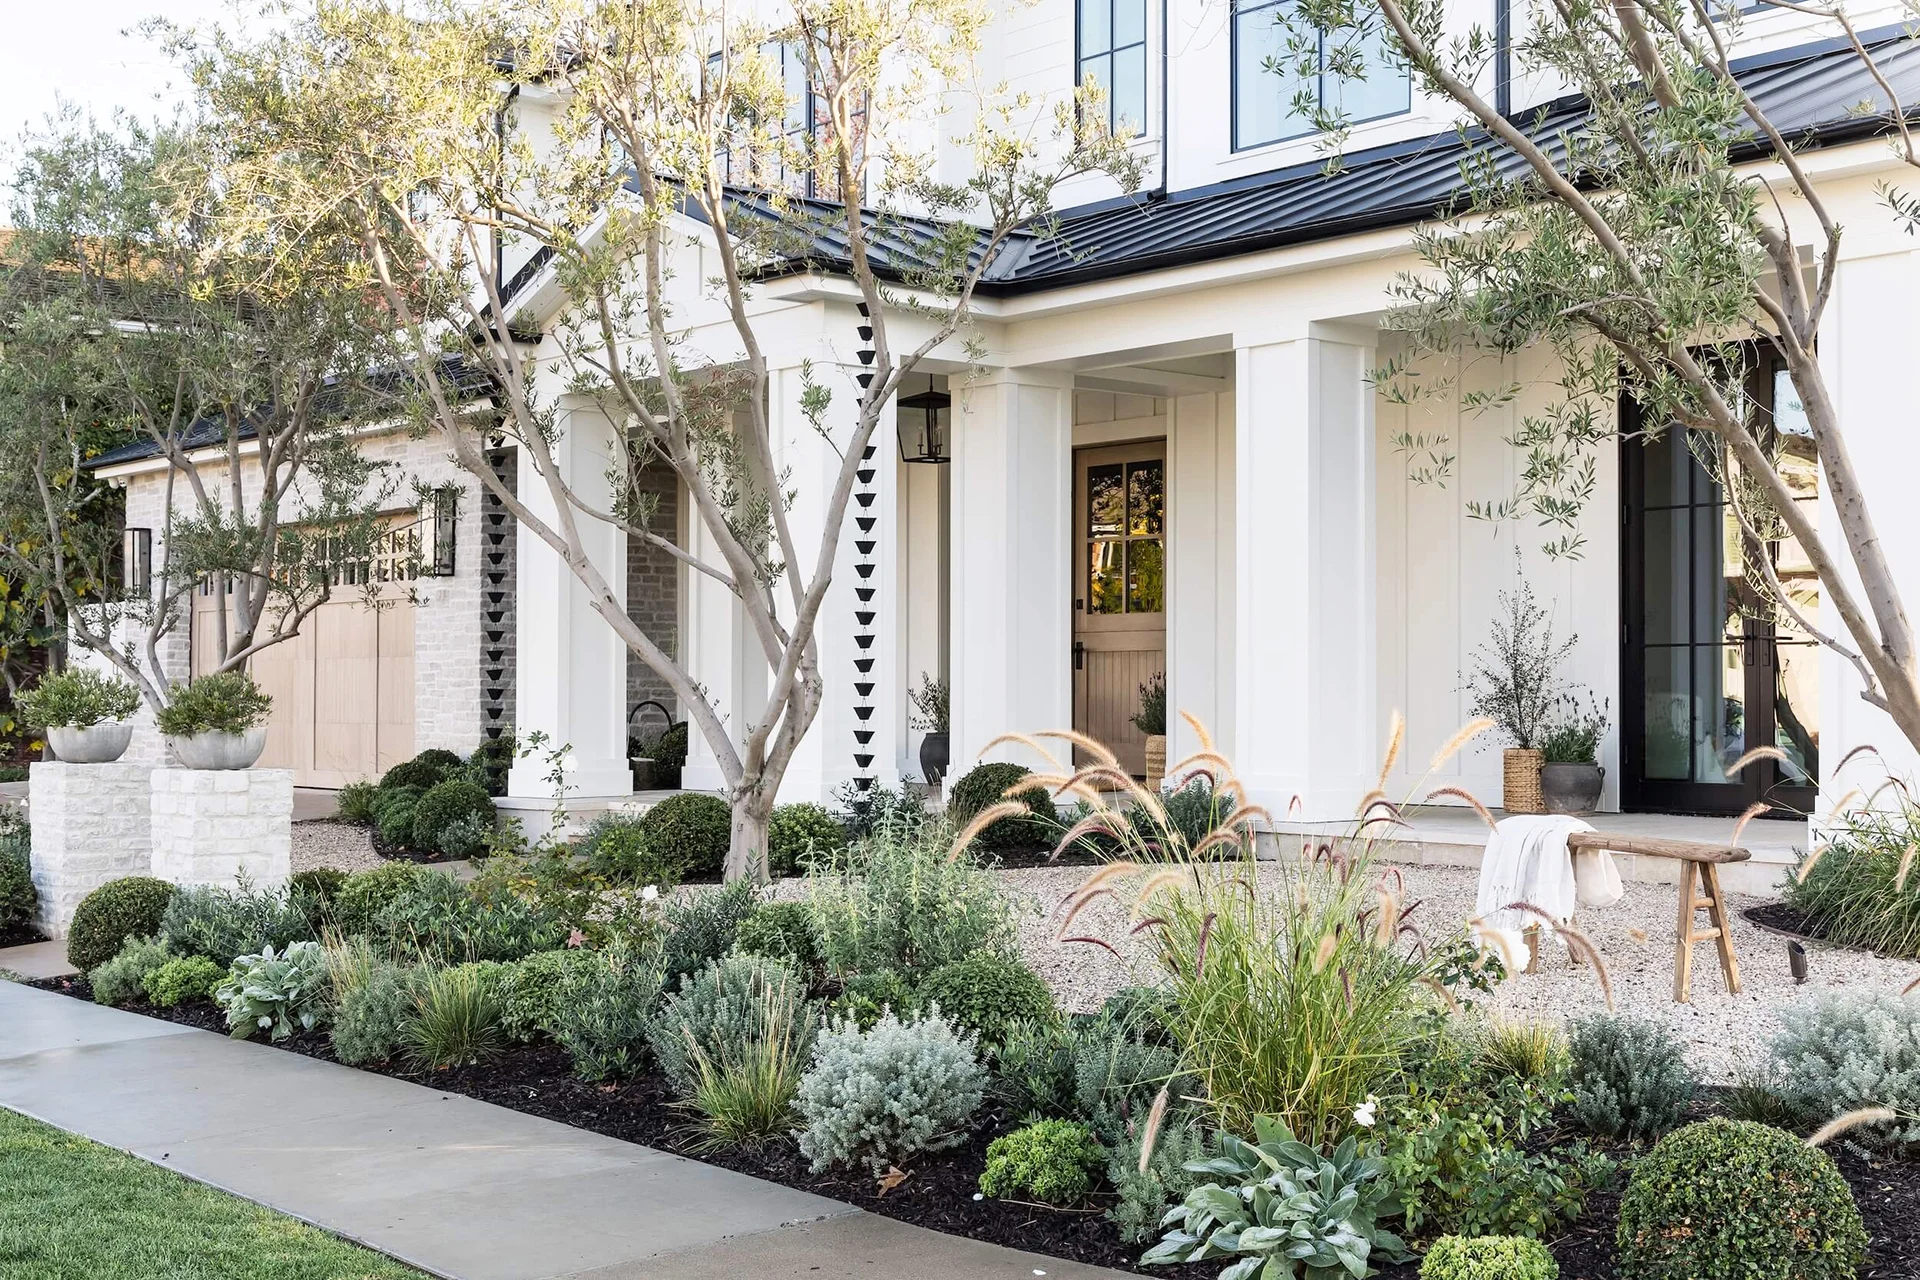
(340, 845)
(1720, 1030)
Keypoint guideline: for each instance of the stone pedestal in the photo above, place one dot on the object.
(91, 824)
(210, 825)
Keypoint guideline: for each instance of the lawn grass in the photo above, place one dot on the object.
(71, 1208)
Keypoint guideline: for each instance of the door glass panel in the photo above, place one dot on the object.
(1720, 695)
(1106, 578)
(1667, 748)
(1144, 498)
(1669, 470)
(1668, 590)
(1146, 577)
(1106, 502)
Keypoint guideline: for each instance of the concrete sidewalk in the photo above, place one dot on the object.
(456, 1187)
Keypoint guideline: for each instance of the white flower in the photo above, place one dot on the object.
(649, 893)
(1363, 1115)
(571, 764)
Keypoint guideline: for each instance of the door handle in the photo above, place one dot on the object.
(1079, 656)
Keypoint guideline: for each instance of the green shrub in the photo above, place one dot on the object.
(897, 901)
(1053, 1161)
(225, 702)
(78, 698)
(437, 918)
(19, 901)
(985, 785)
(605, 1012)
(616, 846)
(455, 1020)
(1033, 1069)
(1142, 1196)
(122, 979)
(317, 887)
(887, 1094)
(181, 979)
(107, 917)
(1116, 1075)
(690, 831)
(797, 833)
(224, 924)
(785, 931)
(1848, 895)
(1840, 1051)
(1629, 1076)
(452, 818)
(354, 803)
(865, 998)
(366, 894)
(1488, 1258)
(1527, 1050)
(393, 816)
(1732, 1200)
(720, 1011)
(533, 991)
(424, 772)
(276, 993)
(372, 998)
(704, 926)
(986, 994)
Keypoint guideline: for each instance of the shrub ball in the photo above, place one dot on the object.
(691, 831)
(107, 917)
(985, 785)
(796, 832)
(446, 804)
(987, 994)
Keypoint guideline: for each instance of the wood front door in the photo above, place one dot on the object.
(1120, 589)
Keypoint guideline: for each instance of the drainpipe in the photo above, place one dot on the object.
(500, 138)
(1503, 57)
(1166, 132)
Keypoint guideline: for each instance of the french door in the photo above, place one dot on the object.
(1119, 606)
(1712, 665)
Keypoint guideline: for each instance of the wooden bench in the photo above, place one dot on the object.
(1699, 891)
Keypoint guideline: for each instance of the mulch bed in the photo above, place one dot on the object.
(20, 935)
(396, 853)
(940, 1191)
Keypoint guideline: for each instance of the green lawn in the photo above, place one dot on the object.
(72, 1209)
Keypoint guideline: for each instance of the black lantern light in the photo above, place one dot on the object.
(925, 420)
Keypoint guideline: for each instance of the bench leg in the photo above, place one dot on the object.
(1683, 935)
(1729, 964)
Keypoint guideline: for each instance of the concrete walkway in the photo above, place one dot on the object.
(456, 1187)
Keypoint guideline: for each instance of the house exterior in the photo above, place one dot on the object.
(1173, 458)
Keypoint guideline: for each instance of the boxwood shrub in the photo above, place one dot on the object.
(985, 785)
(19, 903)
(181, 979)
(452, 818)
(107, 917)
(1734, 1200)
(1053, 1161)
(427, 770)
(987, 994)
(691, 831)
(617, 846)
(393, 814)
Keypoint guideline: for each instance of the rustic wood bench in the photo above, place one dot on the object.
(1699, 891)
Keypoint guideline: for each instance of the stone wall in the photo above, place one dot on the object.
(90, 825)
(653, 594)
(210, 825)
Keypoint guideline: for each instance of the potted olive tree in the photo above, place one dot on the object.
(931, 707)
(84, 712)
(1571, 777)
(1514, 682)
(1151, 719)
(217, 722)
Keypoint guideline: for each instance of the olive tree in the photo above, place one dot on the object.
(668, 120)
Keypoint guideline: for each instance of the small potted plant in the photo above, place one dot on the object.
(216, 722)
(84, 712)
(1571, 777)
(1151, 719)
(930, 712)
(1513, 682)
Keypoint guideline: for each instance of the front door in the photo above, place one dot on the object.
(1712, 666)
(1119, 607)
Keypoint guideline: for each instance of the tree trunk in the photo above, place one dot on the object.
(747, 848)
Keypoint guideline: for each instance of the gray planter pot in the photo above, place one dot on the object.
(212, 750)
(1571, 788)
(95, 744)
(933, 757)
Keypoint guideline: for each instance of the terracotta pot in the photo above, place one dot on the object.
(1156, 760)
(95, 744)
(933, 757)
(1571, 788)
(215, 750)
(1520, 780)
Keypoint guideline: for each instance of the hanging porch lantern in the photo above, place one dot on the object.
(924, 421)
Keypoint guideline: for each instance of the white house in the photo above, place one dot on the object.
(1173, 459)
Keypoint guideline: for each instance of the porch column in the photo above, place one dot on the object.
(1012, 632)
(571, 669)
(1201, 554)
(1305, 714)
(859, 727)
(722, 657)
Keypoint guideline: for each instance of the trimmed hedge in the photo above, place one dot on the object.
(107, 917)
(985, 785)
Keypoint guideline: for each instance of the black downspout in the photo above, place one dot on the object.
(1503, 56)
(500, 138)
(1166, 131)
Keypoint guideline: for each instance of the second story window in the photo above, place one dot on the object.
(1265, 101)
(805, 166)
(1111, 40)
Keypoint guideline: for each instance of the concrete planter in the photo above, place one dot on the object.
(216, 750)
(933, 757)
(1571, 788)
(95, 744)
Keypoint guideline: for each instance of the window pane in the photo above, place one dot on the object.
(1096, 28)
(1106, 577)
(1262, 99)
(1385, 91)
(1129, 113)
(1129, 22)
(1146, 576)
(1796, 707)
(1106, 502)
(1100, 71)
(1669, 469)
(1720, 696)
(1668, 586)
(1667, 747)
(1144, 497)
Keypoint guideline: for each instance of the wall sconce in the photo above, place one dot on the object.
(136, 561)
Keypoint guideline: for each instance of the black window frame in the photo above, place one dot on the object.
(1081, 56)
(1236, 10)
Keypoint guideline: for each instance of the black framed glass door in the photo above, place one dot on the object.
(1712, 666)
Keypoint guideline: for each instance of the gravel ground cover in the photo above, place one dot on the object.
(340, 845)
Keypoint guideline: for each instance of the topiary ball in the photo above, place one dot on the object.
(1734, 1200)
(1488, 1258)
(394, 817)
(427, 770)
(796, 832)
(446, 804)
(181, 979)
(107, 917)
(987, 994)
(691, 831)
(985, 785)
(367, 893)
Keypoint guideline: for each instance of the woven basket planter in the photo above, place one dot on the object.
(1520, 781)
(1156, 760)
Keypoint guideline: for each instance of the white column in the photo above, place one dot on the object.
(571, 668)
(1012, 635)
(1305, 720)
(722, 657)
(922, 577)
(1200, 570)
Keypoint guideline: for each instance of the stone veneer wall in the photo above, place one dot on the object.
(653, 594)
(210, 825)
(90, 825)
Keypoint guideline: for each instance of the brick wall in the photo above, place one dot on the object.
(653, 593)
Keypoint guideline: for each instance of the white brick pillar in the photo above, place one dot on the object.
(210, 825)
(90, 825)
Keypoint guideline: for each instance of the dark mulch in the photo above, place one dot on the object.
(1781, 918)
(397, 853)
(940, 1190)
(20, 935)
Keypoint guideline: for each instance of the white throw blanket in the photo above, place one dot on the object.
(1527, 860)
